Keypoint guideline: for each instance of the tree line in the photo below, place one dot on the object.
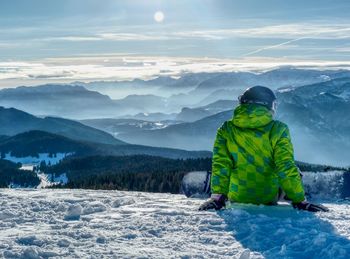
(10, 174)
(132, 173)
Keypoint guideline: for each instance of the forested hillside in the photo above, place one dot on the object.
(133, 173)
(10, 174)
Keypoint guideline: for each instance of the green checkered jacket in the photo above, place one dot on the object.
(253, 157)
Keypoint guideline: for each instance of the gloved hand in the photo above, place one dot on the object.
(304, 205)
(216, 201)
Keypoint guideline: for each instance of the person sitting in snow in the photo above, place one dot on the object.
(253, 157)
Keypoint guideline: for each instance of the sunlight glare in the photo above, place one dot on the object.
(159, 16)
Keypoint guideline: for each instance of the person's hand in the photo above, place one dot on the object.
(217, 202)
(304, 205)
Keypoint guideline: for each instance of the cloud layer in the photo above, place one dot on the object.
(117, 67)
(114, 40)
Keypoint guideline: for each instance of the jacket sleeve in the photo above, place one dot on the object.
(222, 164)
(288, 173)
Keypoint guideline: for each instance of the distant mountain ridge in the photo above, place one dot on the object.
(314, 103)
(325, 107)
(132, 126)
(195, 135)
(283, 77)
(56, 100)
(164, 94)
(13, 121)
(118, 126)
(74, 101)
(192, 114)
(317, 114)
(33, 143)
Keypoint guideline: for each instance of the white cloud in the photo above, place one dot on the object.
(114, 37)
(133, 36)
(282, 31)
(343, 49)
(73, 38)
(118, 67)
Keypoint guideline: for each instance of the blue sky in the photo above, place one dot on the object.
(94, 39)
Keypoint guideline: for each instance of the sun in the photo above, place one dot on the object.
(158, 16)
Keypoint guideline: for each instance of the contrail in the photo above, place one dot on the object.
(290, 41)
(273, 46)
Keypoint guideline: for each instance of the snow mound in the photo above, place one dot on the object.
(94, 207)
(122, 202)
(73, 213)
(48, 223)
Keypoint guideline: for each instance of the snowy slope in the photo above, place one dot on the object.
(114, 224)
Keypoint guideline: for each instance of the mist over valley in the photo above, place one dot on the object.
(184, 112)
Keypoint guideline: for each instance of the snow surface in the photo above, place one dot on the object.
(29, 167)
(113, 224)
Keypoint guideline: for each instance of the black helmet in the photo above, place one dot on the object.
(258, 95)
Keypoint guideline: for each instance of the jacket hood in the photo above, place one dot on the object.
(251, 116)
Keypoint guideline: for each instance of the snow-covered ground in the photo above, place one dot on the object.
(113, 224)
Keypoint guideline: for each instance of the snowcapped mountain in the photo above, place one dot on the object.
(215, 86)
(234, 83)
(318, 116)
(116, 224)
(339, 87)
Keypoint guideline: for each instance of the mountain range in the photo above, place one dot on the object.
(133, 126)
(318, 116)
(164, 94)
(14, 121)
(195, 135)
(33, 143)
(314, 103)
(74, 101)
